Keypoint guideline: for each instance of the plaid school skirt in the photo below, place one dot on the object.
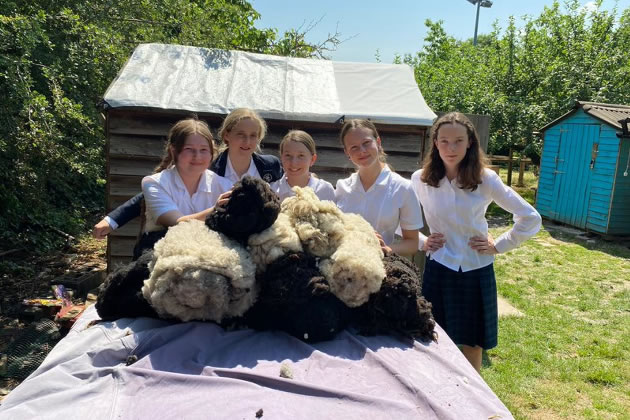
(464, 303)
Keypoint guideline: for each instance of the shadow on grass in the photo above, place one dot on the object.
(617, 247)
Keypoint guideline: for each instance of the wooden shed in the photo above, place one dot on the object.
(584, 180)
(161, 84)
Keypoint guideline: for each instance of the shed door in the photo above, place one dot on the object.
(573, 175)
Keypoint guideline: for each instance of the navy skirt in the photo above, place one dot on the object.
(464, 303)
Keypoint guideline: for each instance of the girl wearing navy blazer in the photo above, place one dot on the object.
(241, 133)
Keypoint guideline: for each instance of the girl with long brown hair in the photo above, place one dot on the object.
(183, 188)
(455, 189)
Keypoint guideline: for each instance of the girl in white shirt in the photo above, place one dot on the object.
(384, 198)
(183, 188)
(298, 154)
(455, 189)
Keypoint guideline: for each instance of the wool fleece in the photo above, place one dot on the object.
(200, 274)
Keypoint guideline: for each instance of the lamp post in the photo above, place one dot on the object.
(479, 3)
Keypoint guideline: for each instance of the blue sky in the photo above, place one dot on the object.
(394, 26)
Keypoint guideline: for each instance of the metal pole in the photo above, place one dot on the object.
(476, 22)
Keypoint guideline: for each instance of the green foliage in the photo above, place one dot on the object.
(525, 77)
(56, 60)
(51, 149)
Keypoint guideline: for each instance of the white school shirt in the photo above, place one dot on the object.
(231, 174)
(460, 214)
(323, 189)
(165, 191)
(388, 203)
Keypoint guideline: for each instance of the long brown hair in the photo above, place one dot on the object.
(360, 123)
(470, 168)
(177, 139)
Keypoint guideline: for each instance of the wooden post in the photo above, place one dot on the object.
(509, 175)
(521, 171)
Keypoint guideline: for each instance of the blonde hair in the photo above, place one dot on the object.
(237, 116)
(470, 168)
(301, 137)
(361, 123)
(176, 140)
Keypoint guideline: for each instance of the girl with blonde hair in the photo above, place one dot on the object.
(241, 133)
(298, 154)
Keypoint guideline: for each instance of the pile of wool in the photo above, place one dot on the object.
(355, 270)
(120, 294)
(309, 270)
(398, 305)
(199, 274)
(294, 297)
(319, 224)
(350, 252)
(252, 208)
(272, 243)
(195, 273)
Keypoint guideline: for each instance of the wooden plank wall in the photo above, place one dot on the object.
(136, 139)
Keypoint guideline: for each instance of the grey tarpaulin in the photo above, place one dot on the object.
(215, 81)
(151, 369)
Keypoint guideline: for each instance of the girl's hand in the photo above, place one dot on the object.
(434, 242)
(101, 229)
(223, 199)
(483, 245)
(384, 247)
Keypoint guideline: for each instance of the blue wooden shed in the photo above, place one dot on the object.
(584, 179)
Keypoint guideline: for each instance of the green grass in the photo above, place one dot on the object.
(569, 356)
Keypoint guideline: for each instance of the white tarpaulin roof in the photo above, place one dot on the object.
(205, 80)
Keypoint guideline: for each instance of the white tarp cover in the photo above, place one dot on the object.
(214, 81)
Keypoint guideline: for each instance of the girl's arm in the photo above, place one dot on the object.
(118, 217)
(527, 221)
(410, 223)
(408, 245)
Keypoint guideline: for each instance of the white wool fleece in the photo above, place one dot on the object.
(318, 224)
(272, 243)
(200, 274)
(355, 270)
